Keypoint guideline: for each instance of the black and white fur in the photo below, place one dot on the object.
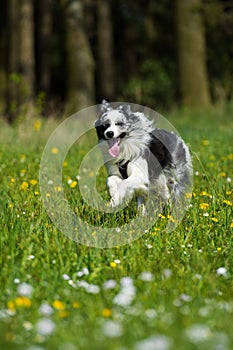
(142, 157)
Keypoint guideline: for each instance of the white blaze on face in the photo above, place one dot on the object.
(114, 142)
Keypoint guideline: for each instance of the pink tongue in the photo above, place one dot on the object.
(113, 149)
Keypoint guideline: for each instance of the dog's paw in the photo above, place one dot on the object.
(112, 183)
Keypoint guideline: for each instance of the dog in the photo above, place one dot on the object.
(141, 159)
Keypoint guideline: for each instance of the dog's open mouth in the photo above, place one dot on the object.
(114, 145)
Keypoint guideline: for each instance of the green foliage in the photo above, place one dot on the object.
(180, 283)
(154, 87)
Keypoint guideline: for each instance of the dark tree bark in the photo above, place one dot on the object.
(27, 54)
(191, 46)
(13, 81)
(106, 67)
(80, 62)
(44, 36)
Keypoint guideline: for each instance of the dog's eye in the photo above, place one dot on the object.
(119, 124)
(106, 125)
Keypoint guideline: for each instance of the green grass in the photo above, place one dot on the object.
(187, 302)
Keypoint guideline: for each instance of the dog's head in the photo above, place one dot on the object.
(113, 126)
(117, 126)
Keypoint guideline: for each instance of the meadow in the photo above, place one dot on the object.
(163, 291)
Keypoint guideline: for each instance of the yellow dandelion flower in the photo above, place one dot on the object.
(230, 156)
(222, 174)
(188, 195)
(54, 150)
(214, 219)
(24, 185)
(23, 302)
(48, 194)
(219, 249)
(161, 216)
(63, 313)
(10, 205)
(113, 264)
(76, 305)
(205, 142)
(231, 225)
(37, 125)
(11, 305)
(228, 193)
(12, 180)
(73, 184)
(206, 194)
(22, 158)
(33, 182)
(106, 312)
(204, 206)
(65, 164)
(227, 202)
(58, 305)
(58, 188)
(36, 193)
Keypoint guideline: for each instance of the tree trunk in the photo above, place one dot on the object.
(106, 81)
(3, 57)
(44, 27)
(80, 63)
(193, 78)
(14, 80)
(27, 56)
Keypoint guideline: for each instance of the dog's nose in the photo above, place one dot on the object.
(110, 134)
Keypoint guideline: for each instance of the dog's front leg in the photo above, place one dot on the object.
(112, 183)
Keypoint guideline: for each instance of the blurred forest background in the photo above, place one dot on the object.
(63, 55)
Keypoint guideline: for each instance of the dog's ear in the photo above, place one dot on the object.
(125, 109)
(105, 106)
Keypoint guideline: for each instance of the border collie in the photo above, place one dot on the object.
(141, 158)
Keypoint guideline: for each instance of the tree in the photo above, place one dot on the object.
(105, 58)
(80, 62)
(191, 47)
(27, 55)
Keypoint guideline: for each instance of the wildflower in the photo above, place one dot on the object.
(54, 150)
(110, 284)
(63, 313)
(188, 195)
(22, 172)
(27, 326)
(45, 326)
(65, 277)
(37, 125)
(12, 180)
(214, 219)
(113, 264)
(73, 184)
(11, 305)
(58, 305)
(231, 225)
(204, 206)
(127, 293)
(222, 271)
(57, 188)
(205, 142)
(106, 312)
(76, 305)
(198, 333)
(222, 174)
(112, 329)
(146, 276)
(23, 302)
(33, 182)
(227, 202)
(204, 193)
(65, 164)
(24, 185)
(22, 158)
(219, 249)
(160, 342)
(230, 156)
(83, 272)
(25, 289)
(45, 309)
(228, 179)
(36, 193)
